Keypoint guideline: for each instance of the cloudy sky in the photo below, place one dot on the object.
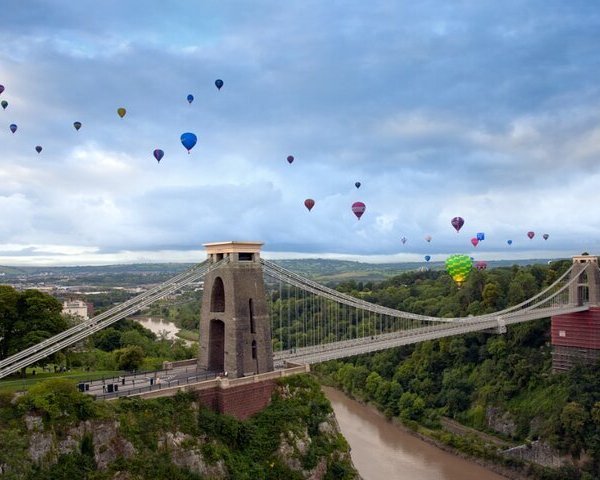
(484, 109)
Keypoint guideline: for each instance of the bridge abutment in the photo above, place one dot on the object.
(235, 329)
(576, 336)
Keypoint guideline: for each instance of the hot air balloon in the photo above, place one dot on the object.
(474, 241)
(481, 265)
(531, 235)
(509, 242)
(77, 125)
(309, 203)
(4, 104)
(545, 236)
(457, 223)
(1, 88)
(13, 128)
(459, 267)
(403, 240)
(357, 184)
(38, 149)
(188, 140)
(219, 83)
(121, 111)
(428, 238)
(158, 154)
(290, 159)
(427, 258)
(480, 236)
(358, 208)
(190, 98)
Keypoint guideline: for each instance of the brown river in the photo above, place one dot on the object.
(382, 451)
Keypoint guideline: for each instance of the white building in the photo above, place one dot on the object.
(78, 308)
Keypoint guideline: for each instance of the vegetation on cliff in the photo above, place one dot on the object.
(499, 383)
(55, 432)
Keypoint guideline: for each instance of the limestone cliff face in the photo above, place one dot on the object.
(297, 436)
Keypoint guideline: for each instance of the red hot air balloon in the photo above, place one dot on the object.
(358, 208)
(531, 235)
(290, 159)
(457, 223)
(309, 203)
(474, 241)
(481, 265)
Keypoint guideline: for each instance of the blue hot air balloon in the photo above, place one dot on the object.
(188, 140)
(158, 154)
(13, 128)
(357, 184)
(509, 242)
(190, 98)
(480, 236)
(218, 83)
(427, 258)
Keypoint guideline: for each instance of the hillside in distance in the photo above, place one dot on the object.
(322, 270)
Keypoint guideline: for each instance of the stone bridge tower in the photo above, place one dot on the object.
(235, 329)
(576, 336)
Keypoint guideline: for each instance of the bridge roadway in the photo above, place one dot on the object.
(139, 382)
(358, 346)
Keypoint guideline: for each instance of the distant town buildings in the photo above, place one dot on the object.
(78, 308)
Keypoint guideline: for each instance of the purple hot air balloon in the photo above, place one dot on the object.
(290, 159)
(13, 128)
(1, 88)
(457, 223)
(38, 149)
(358, 208)
(531, 235)
(158, 154)
(481, 265)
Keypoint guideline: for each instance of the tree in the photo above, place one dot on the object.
(129, 358)
(27, 318)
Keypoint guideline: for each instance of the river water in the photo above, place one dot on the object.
(159, 326)
(382, 451)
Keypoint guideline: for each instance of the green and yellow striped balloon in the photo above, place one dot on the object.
(459, 267)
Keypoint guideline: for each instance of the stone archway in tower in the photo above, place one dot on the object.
(216, 346)
(217, 296)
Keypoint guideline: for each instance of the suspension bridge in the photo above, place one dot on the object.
(257, 315)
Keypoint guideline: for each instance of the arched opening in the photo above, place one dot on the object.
(251, 313)
(255, 356)
(216, 346)
(217, 296)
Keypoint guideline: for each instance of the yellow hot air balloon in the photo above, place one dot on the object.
(459, 267)
(121, 111)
